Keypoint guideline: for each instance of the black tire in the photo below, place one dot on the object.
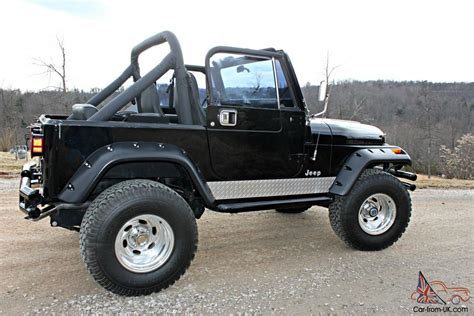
(344, 211)
(111, 210)
(293, 210)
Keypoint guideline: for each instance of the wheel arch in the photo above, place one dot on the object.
(361, 160)
(125, 160)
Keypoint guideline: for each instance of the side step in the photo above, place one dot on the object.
(237, 207)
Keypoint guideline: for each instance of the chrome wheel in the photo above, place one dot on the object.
(377, 214)
(144, 243)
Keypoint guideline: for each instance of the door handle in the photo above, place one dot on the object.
(228, 117)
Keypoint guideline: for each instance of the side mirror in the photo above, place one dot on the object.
(322, 90)
(242, 68)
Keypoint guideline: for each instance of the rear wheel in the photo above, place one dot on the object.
(374, 214)
(293, 210)
(138, 237)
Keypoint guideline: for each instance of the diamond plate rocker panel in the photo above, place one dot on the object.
(225, 190)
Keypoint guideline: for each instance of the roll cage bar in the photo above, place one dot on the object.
(173, 60)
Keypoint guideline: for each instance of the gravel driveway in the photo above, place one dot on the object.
(262, 262)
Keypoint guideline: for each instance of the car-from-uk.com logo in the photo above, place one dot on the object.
(437, 297)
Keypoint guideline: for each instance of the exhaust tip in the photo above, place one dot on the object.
(409, 186)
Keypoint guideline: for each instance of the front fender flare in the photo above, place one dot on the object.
(86, 177)
(359, 161)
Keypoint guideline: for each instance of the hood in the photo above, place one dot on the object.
(348, 132)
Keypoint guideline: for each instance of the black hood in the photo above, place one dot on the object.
(348, 132)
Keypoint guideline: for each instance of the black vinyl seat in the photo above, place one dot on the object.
(150, 101)
(197, 112)
(149, 110)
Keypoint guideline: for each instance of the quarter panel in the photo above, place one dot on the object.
(71, 142)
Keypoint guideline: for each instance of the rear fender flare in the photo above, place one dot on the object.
(88, 175)
(361, 160)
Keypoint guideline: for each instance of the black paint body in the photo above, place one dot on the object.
(266, 143)
(277, 149)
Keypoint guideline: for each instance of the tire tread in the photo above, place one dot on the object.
(339, 208)
(97, 212)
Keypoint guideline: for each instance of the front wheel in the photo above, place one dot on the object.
(374, 214)
(138, 237)
(456, 299)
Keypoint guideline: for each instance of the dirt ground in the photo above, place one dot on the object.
(9, 166)
(262, 262)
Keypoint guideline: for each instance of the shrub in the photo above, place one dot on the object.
(7, 139)
(459, 162)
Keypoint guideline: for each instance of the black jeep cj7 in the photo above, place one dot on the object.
(133, 174)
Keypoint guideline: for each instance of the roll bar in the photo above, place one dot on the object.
(173, 60)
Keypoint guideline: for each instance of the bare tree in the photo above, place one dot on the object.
(10, 124)
(358, 105)
(258, 82)
(328, 81)
(57, 69)
(52, 68)
(429, 116)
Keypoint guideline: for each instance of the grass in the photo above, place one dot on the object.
(10, 168)
(438, 182)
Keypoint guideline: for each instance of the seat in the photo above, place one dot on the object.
(197, 112)
(150, 101)
(150, 109)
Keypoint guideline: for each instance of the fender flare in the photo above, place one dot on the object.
(361, 160)
(88, 175)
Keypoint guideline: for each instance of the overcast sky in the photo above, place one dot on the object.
(391, 40)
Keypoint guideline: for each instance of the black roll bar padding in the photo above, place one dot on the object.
(155, 40)
(174, 60)
(111, 88)
(131, 92)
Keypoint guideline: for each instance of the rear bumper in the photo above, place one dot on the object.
(31, 199)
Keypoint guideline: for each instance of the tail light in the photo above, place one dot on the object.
(37, 145)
